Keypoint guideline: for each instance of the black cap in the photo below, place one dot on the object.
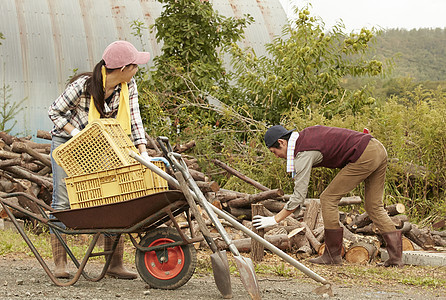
(274, 133)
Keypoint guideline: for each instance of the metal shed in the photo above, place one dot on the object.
(45, 40)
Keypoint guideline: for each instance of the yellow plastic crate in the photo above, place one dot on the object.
(101, 145)
(114, 185)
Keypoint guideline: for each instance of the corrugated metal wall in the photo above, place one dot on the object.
(47, 39)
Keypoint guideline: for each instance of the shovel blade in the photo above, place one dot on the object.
(220, 268)
(325, 289)
(248, 276)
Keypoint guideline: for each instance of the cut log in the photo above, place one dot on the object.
(396, 209)
(45, 171)
(407, 244)
(440, 233)
(361, 221)
(24, 148)
(249, 199)
(10, 162)
(40, 147)
(310, 215)
(21, 173)
(225, 195)
(300, 244)
(180, 148)
(273, 205)
(8, 139)
(439, 241)
(197, 175)
(240, 213)
(9, 155)
(351, 200)
(407, 226)
(210, 186)
(399, 220)
(244, 245)
(370, 229)
(41, 134)
(421, 237)
(315, 244)
(3, 145)
(361, 253)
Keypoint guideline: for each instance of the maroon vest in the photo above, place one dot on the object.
(339, 146)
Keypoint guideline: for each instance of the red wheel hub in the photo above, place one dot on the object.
(168, 263)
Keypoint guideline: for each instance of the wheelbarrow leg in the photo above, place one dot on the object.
(39, 257)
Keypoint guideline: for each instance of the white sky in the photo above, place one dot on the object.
(383, 14)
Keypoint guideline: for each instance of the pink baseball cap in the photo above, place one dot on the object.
(121, 53)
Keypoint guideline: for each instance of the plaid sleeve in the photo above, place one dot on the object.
(138, 132)
(60, 112)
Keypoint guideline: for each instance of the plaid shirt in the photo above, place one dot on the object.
(73, 104)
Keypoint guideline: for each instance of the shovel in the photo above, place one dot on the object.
(219, 259)
(244, 264)
(325, 289)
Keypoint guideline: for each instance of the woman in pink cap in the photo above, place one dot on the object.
(109, 91)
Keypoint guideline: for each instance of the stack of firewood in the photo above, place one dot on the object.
(304, 234)
(25, 166)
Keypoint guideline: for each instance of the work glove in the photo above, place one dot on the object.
(146, 156)
(165, 161)
(260, 222)
(74, 131)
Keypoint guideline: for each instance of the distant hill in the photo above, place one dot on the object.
(420, 54)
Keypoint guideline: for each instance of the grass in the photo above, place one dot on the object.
(13, 245)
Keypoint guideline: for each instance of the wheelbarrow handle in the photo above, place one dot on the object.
(166, 148)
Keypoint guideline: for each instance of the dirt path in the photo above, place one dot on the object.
(23, 278)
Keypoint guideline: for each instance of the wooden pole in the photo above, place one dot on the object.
(240, 175)
(257, 249)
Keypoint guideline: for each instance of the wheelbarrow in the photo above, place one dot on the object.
(165, 257)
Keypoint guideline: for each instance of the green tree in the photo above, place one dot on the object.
(190, 67)
(193, 34)
(304, 68)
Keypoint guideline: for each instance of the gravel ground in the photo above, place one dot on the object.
(24, 278)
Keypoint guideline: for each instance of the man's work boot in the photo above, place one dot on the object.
(394, 247)
(59, 257)
(116, 267)
(333, 248)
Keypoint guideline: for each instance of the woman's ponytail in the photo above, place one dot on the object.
(95, 87)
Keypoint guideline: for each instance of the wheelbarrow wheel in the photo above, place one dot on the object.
(168, 268)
